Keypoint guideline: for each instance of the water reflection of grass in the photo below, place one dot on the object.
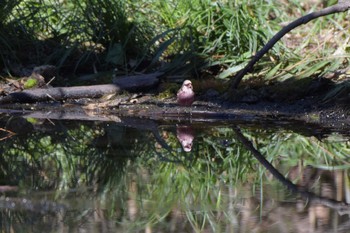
(206, 190)
(202, 190)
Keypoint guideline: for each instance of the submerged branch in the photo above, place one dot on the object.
(340, 7)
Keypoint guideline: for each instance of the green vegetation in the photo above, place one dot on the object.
(178, 37)
(122, 177)
(121, 170)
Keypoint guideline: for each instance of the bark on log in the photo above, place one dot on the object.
(138, 82)
(132, 83)
(59, 93)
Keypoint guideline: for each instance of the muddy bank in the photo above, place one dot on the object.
(313, 103)
(304, 115)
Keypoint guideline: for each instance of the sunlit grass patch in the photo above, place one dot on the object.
(178, 37)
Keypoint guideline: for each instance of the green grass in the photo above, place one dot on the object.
(178, 37)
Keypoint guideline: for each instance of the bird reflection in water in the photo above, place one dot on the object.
(185, 135)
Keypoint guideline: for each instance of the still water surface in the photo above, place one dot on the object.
(137, 175)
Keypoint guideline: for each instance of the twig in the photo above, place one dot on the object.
(340, 7)
(10, 134)
(48, 83)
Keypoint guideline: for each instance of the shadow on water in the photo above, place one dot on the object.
(123, 174)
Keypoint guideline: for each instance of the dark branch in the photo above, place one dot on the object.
(340, 7)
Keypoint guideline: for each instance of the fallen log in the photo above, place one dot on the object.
(59, 93)
(132, 83)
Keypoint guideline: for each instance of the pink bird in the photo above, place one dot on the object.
(185, 96)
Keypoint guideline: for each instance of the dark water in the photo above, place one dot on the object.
(138, 175)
